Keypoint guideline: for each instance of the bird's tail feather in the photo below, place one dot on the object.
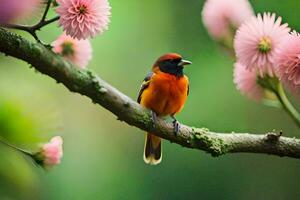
(152, 149)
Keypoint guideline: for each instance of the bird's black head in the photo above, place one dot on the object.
(172, 63)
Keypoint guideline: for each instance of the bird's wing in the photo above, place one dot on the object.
(188, 90)
(144, 85)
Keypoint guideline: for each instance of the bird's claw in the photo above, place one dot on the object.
(153, 117)
(176, 127)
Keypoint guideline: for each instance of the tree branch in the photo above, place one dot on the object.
(87, 83)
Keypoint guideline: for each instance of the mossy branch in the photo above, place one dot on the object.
(89, 84)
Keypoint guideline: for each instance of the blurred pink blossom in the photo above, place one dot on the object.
(246, 82)
(288, 61)
(11, 10)
(220, 16)
(76, 51)
(257, 40)
(52, 152)
(82, 19)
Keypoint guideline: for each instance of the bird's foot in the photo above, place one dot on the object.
(153, 117)
(176, 125)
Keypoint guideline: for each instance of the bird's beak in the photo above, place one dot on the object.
(184, 62)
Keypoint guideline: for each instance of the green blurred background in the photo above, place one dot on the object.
(103, 156)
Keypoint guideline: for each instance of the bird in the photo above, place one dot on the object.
(164, 91)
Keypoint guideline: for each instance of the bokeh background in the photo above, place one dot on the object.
(103, 156)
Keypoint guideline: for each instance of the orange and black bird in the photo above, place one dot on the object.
(164, 92)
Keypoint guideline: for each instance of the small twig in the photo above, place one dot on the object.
(46, 11)
(32, 29)
(44, 23)
(16, 148)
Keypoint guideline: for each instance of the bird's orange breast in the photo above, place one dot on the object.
(166, 94)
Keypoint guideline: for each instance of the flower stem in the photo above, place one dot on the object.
(17, 148)
(287, 105)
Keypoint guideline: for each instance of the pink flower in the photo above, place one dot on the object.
(78, 52)
(11, 10)
(220, 16)
(83, 18)
(256, 42)
(52, 152)
(288, 61)
(246, 82)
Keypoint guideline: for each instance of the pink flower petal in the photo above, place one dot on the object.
(287, 60)
(11, 10)
(52, 152)
(219, 16)
(250, 35)
(82, 50)
(75, 15)
(246, 82)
